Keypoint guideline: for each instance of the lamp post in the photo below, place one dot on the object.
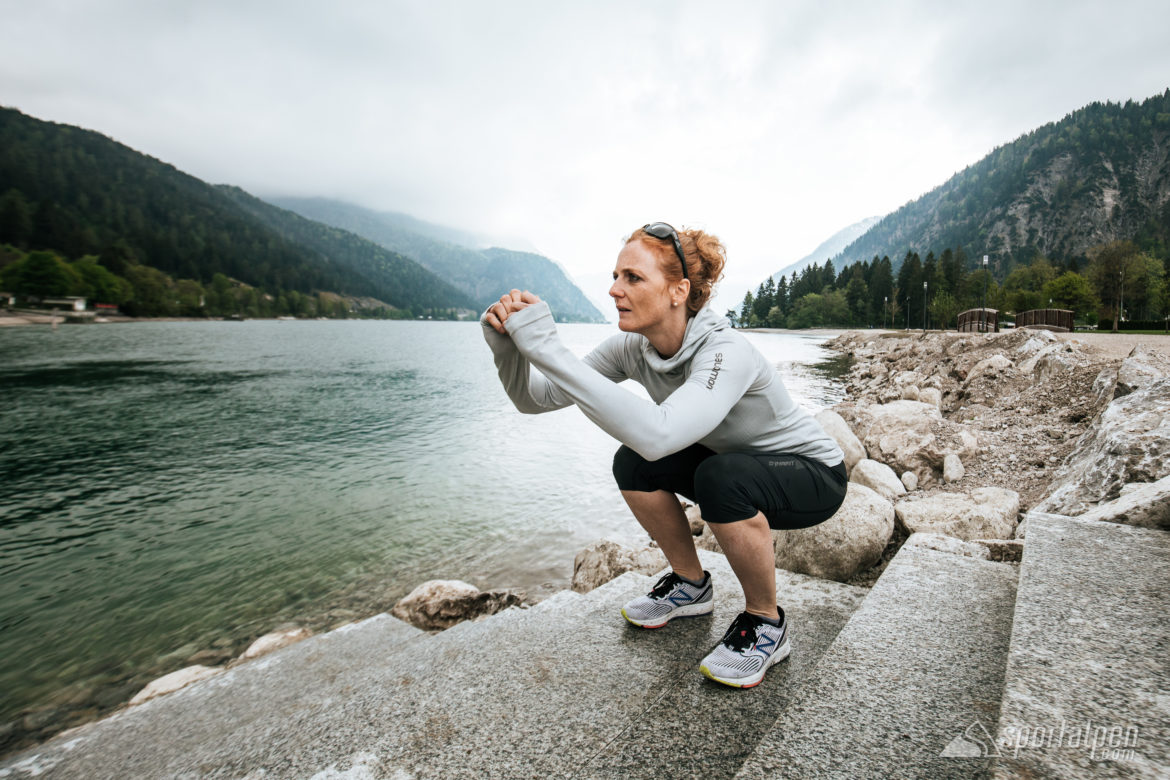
(907, 311)
(885, 303)
(924, 307)
(983, 309)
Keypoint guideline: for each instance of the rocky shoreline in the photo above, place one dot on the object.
(951, 438)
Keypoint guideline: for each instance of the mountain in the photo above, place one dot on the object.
(78, 192)
(483, 274)
(831, 247)
(1101, 174)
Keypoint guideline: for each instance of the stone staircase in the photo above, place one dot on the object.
(948, 667)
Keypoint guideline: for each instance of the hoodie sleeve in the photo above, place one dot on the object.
(530, 391)
(719, 377)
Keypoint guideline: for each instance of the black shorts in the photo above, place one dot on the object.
(791, 490)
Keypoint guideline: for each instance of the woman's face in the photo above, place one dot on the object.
(640, 289)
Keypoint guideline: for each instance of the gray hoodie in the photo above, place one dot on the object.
(717, 390)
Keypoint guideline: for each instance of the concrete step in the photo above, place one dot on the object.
(920, 663)
(698, 728)
(531, 692)
(1087, 689)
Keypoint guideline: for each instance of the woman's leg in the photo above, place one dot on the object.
(744, 497)
(661, 514)
(748, 547)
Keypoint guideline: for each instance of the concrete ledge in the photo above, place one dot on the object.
(918, 665)
(1087, 684)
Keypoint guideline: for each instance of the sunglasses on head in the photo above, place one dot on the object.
(665, 231)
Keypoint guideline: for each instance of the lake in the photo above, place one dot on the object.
(171, 488)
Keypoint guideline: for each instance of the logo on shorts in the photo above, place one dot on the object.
(715, 371)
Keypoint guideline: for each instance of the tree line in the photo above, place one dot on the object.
(140, 290)
(1116, 281)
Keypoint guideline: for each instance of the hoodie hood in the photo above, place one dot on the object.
(698, 329)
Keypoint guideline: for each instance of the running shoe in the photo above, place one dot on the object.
(671, 597)
(746, 651)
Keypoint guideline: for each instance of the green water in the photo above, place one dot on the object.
(171, 488)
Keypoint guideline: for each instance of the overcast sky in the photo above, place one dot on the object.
(567, 125)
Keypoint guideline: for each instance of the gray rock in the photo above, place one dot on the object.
(948, 544)
(910, 481)
(1129, 442)
(910, 393)
(439, 604)
(850, 541)
(837, 428)
(911, 436)
(606, 559)
(1144, 505)
(953, 469)
(931, 395)
(1142, 368)
(173, 682)
(274, 641)
(992, 366)
(988, 512)
(879, 478)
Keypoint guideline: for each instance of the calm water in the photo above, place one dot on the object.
(167, 488)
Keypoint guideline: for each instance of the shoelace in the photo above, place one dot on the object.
(742, 633)
(665, 585)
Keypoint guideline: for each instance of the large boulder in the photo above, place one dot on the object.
(835, 425)
(1129, 442)
(983, 513)
(1140, 369)
(911, 436)
(879, 478)
(606, 559)
(848, 542)
(439, 604)
(1145, 505)
(994, 366)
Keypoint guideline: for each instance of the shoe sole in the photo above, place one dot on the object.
(690, 610)
(782, 652)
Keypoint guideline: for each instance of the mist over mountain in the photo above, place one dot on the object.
(831, 247)
(482, 274)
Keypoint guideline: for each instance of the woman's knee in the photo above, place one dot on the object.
(720, 490)
(626, 464)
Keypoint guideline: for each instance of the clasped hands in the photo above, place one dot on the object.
(514, 301)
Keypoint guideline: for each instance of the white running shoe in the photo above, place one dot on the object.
(746, 651)
(671, 597)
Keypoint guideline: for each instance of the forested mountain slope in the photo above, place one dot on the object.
(1099, 175)
(77, 192)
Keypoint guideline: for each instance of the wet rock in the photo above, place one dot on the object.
(1129, 442)
(274, 641)
(948, 544)
(836, 427)
(983, 513)
(440, 604)
(173, 682)
(952, 468)
(879, 478)
(210, 657)
(605, 559)
(848, 542)
(1143, 505)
